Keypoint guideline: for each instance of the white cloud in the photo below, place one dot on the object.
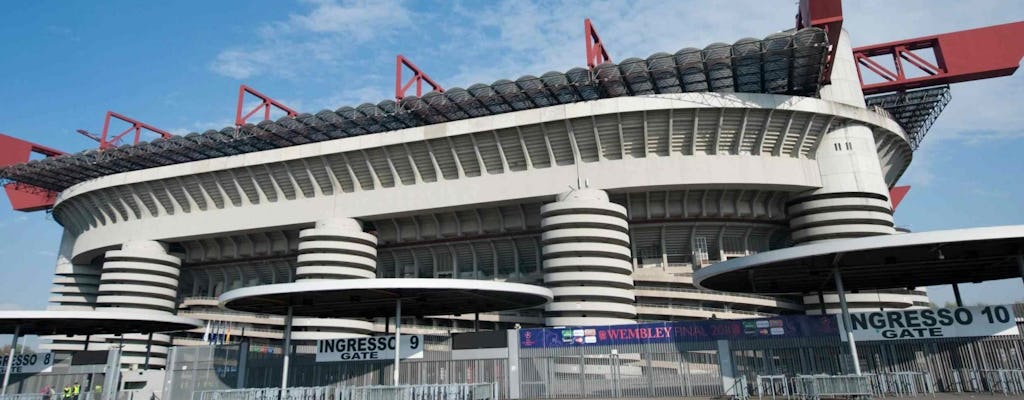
(313, 41)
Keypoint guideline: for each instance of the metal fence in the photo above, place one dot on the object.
(815, 387)
(764, 367)
(478, 391)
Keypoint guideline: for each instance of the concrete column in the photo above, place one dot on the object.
(514, 379)
(336, 248)
(587, 260)
(726, 369)
(74, 288)
(853, 200)
(142, 277)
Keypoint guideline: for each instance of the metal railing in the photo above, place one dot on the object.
(25, 396)
(902, 384)
(711, 292)
(1005, 381)
(459, 391)
(295, 393)
(815, 387)
(708, 309)
(772, 386)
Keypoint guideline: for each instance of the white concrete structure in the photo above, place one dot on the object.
(678, 181)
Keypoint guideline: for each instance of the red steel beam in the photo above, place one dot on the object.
(896, 195)
(266, 103)
(962, 56)
(418, 78)
(596, 53)
(25, 197)
(827, 15)
(137, 126)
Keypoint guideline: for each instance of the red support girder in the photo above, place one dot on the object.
(962, 56)
(25, 197)
(137, 126)
(418, 78)
(896, 195)
(266, 103)
(596, 53)
(827, 15)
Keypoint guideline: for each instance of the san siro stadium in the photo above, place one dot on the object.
(609, 185)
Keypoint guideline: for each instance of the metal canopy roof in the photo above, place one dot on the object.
(914, 110)
(370, 298)
(788, 62)
(877, 262)
(52, 322)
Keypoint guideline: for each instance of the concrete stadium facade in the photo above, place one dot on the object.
(611, 203)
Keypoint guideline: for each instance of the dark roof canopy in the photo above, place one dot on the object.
(51, 322)
(370, 298)
(877, 262)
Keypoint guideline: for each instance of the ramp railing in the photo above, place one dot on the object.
(816, 387)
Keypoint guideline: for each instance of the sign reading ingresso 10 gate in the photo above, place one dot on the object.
(930, 323)
(368, 348)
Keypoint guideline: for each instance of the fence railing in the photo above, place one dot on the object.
(25, 396)
(467, 391)
(1005, 381)
(815, 387)
(902, 384)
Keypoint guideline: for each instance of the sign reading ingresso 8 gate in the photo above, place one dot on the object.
(934, 323)
(368, 348)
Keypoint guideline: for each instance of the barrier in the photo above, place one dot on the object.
(25, 396)
(296, 393)
(772, 386)
(1005, 381)
(815, 387)
(467, 391)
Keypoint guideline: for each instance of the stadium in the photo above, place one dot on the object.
(610, 185)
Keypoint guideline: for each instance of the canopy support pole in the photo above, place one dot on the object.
(10, 359)
(149, 348)
(956, 295)
(287, 352)
(847, 324)
(1020, 264)
(398, 338)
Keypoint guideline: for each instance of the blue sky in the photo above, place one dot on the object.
(177, 65)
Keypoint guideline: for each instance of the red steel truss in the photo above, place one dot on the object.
(107, 141)
(896, 195)
(969, 55)
(266, 103)
(25, 197)
(418, 78)
(827, 15)
(596, 53)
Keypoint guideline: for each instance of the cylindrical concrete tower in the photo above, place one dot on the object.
(853, 200)
(143, 277)
(587, 260)
(335, 249)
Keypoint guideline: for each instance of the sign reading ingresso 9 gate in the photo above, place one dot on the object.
(933, 323)
(368, 348)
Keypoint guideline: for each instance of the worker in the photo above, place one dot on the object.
(76, 390)
(67, 392)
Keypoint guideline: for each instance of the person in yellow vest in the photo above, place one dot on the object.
(67, 392)
(75, 391)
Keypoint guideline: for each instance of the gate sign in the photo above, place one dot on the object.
(368, 348)
(934, 323)
(27, 363)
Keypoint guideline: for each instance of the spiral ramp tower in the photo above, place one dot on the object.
(143, 277)
(334, 249)
(854, 199)
(587, 260)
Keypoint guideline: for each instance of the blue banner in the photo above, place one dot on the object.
(797, 326)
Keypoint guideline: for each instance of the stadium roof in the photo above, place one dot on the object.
(789, 62)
